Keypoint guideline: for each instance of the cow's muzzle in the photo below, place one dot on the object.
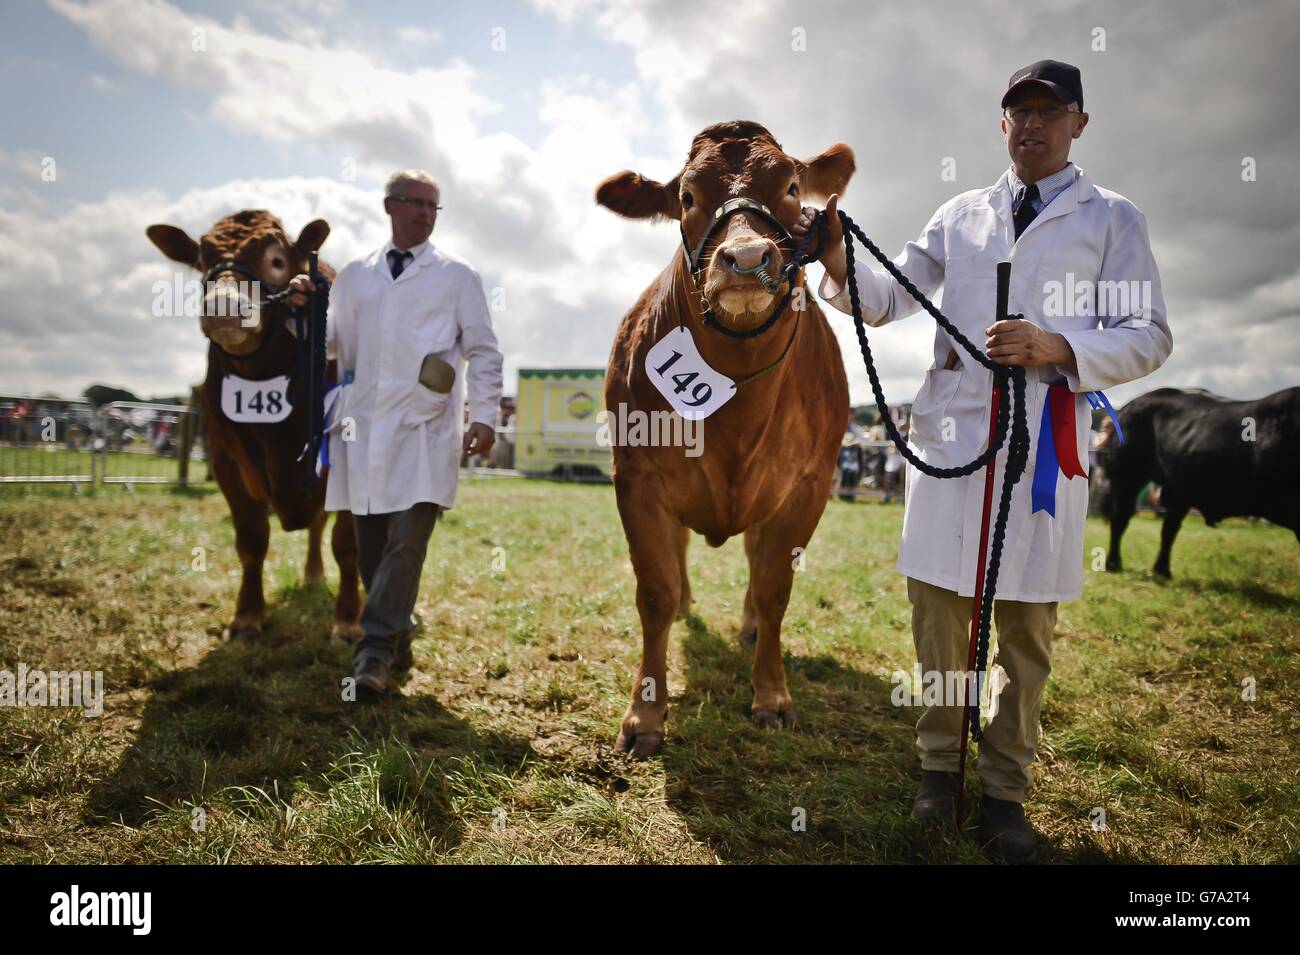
(760, 270)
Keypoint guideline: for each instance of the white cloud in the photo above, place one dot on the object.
(418, 36)
(905, 85)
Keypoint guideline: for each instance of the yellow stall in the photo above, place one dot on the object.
(555, 422)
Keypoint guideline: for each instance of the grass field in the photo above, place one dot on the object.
(50, 460)
(500, 748)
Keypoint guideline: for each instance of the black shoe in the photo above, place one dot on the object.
(373, 679)
(936, 800)
(1005, 832)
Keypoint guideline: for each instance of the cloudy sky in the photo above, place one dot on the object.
(303, 107)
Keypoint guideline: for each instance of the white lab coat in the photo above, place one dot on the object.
(405, 440)
(1091, 232)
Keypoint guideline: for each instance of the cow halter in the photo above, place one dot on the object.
(771, 283)
(276, 296)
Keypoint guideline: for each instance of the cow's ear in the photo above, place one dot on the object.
(312, 236)
(174, 243)
(827, 174)
(636, 197)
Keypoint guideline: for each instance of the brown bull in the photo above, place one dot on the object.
(768, 454)
(256, 464)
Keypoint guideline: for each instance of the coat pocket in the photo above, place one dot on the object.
(931, 405)
(424, 405)
(950, 417)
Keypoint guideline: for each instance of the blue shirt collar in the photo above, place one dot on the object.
(1048, 188)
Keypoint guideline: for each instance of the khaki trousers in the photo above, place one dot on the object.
(941, 631)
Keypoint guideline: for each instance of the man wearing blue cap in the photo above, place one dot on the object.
(1085, 280)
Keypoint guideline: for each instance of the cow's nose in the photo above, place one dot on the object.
(746, 257)
(227, 305)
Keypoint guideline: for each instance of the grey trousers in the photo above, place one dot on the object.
(390, 554)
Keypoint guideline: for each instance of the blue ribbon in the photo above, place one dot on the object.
(1098, 400)
(1045, 466)
(324, 460)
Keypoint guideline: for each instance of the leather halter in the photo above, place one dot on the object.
(771, 283)
(276, 296)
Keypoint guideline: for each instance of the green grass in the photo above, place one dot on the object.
(500, 749)
(54, 459)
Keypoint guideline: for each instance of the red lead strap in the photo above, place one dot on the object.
(994, 401)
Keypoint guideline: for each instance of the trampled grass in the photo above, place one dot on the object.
(500, 748)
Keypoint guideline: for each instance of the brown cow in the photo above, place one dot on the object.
(256, 464)
(768, 454)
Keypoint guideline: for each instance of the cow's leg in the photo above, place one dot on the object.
(1175, 511)
(314, 571)
(654, 542)
(1122, 507)
(749, 619)
(252, 535)
(347, 606)
(683, 541)
(780, 543)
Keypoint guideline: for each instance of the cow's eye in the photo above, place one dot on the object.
(277, 263)
(688, 200)
(793, 190)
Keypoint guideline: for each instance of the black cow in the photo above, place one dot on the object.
(1225, 458)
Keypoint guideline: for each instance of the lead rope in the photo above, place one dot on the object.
(311, 359)
(1017, 451)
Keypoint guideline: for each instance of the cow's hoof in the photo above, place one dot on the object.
(241, 631)
(1163, 573)
(776, 719)
(313, 579)
(1113, 567)
(346, 634)
(640, 746)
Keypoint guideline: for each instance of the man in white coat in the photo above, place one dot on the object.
(395, 440)
(1086, 282)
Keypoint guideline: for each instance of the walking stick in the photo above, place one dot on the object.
(1004, 286)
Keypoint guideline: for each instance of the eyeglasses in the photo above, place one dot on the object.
(412, 201)
(1049, 114)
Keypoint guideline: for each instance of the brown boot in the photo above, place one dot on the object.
(374, 679)
(936, 800)
(404, 659)
(1005, 832)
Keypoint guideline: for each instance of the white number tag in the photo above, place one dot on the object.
(681, 374)
(255, 402)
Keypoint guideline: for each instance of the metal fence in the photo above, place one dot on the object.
(69, 441)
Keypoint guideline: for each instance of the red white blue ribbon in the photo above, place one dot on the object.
(1058, 449)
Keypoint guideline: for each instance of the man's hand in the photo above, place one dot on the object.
(833, 252)
(478, 439)
(1016, 341)
(303, 286)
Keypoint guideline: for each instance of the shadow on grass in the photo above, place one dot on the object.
(1261, 595)
(270, 715)
(836, 789)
